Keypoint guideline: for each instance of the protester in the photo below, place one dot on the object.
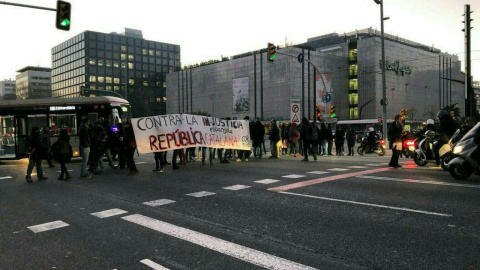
(323, 137)
(110, 145)
(258, 134)
(210, 155)
(176, 153)
(339, 140)
(395, 140)
(158, 162)
(121, 147)
(351, 136)
(97, 148)
(329, 138)
(131, 146)
(62, 152)
(294, 136)
(85, 144)
(306, 132)
(46, 142)
(274, 138)
(245, 154)
(37, 150)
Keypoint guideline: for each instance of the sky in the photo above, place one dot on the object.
(208, 29)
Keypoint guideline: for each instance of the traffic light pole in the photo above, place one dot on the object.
(323, 82)
(27, 6)
(384, 88)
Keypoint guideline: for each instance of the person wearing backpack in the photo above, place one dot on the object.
(62, 153)
(293, 136)
(306, 132)
(315, 133)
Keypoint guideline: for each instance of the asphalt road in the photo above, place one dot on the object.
(334, 213)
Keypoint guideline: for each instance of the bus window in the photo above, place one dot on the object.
(93, 117)
(7, 136)
(65, 121)
(38, 120)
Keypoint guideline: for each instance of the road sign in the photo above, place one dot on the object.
(328, 98)
(295, 111)
(300, 58)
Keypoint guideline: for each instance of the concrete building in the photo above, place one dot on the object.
(7, 89)
(476, 90)
(33, 83)
(416, 79)
(99, 61)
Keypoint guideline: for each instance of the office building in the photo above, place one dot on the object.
(33, 83)
(99, 62)
(7, 90)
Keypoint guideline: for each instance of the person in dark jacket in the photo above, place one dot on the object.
(131, 146)
(85, 144)
(97, 148)
(274, 138)
(446, 131)
(62, 152)
(395, 140)
(258, 133)
(306, 131)
(121, 147)
(37, 150)
(329, 138)
(46, 141)
(339, 140)
(351, 136)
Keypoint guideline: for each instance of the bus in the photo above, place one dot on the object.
(17, 117)
(361, 126)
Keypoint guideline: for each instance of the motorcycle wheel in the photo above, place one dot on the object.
(419, 160)
(361, 151)
(382, 152)
(461, 171)
(445, 160)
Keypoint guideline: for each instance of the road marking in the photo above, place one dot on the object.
(67, 170)
(237, 187)
(6, 177)
(48, 226)
(357, 167)
(374, 165)
(159, 202)
(338, 170)
(419, 181)
(369, 204)
(294, 176)
(216, 244)
(153, 265)
(326, 179)
(109, 213)
(384, 163)
(266, 181)
(138, 163)
(201, 194)
(317, 172)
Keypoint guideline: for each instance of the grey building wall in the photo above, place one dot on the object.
(7, 89)
(209, 88)
(33, 84)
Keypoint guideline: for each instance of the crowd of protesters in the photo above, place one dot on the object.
(102, 140)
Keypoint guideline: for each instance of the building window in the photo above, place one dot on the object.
(144, 51)
(353, 70)
(353, 99)
(116, 88)
(130, 57)
(353, 84)
(93, 79)
(352, 54)
(108, 87)
(108, 79)
(124, 48)
(108, 63)
(101, 79)
(131, 81)
(130, 66)
(100, 62)
(354, 113)
(151, 52)
(92, 61)
(115, 64)
(123, 56)
(116, 80)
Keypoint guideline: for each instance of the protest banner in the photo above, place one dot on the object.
(177, 131)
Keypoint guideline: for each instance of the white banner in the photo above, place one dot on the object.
(295, 111)
(177, 131)
(321, 92)
(240, 95)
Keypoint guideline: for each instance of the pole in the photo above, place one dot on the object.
(27, 6)
(469, 105)
(314, 96)
(384, 89)
(126, 80)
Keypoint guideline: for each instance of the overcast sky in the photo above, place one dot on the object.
(210, 28)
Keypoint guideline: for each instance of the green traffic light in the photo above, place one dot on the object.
(273, 57)
(333, 115)
(65, 22)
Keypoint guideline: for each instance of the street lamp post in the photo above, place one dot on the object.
(384, 90)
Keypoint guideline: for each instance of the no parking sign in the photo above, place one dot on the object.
(295, 111)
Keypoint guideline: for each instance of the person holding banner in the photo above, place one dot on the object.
(131, 146)
(210, 154)
(258, 133)
(274, 138)
(245, 154)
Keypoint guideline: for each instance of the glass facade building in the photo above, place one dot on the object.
(106, 62)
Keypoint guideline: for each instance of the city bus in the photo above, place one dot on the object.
(361, 126)
(17, 117)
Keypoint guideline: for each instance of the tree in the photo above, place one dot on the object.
(411, 113)
(431, 114)
(453, 108)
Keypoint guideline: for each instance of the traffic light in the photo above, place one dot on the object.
(404, 113)
(319, 114)
(271, 52)
(332, 111)
(379, 120)
(63, 15)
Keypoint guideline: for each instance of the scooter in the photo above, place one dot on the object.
(446, 151)
(365, 148)
(465, 162)
(425, 152)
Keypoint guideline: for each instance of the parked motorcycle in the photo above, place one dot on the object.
(425, 152)
(465, 162)
(446, 151)
(367, 148)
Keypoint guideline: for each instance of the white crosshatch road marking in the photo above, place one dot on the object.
(317, 172)
(246, 254)
(6, 177)
(159, 202)
(109, 213)
(338, 170)
(67, 170)
(201, 194)
(153, 265)
(417, 181)
(374, 164)
(357, 167)
(138, 163)
(48, 226)
(294, 176)
(266, 181)
(237, 187)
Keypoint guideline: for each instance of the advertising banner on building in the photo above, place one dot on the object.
(295, 111)
(321, 90)
(177, 131)
(240, 95)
